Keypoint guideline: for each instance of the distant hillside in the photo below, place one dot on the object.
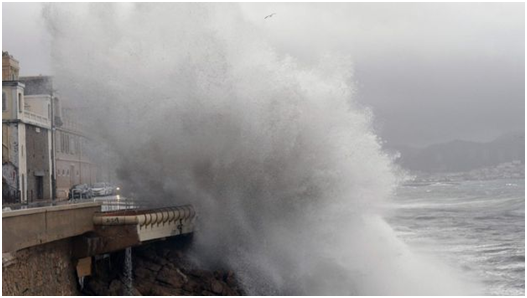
(459, 156)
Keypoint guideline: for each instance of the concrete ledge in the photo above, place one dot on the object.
(59, 207)
(34, 226)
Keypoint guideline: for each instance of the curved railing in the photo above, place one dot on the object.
(143, 218)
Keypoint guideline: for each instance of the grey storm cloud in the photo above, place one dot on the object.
(430, 72)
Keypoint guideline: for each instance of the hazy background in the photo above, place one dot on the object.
(289, 180)
(430, 72)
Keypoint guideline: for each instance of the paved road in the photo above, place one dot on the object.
(109, 203)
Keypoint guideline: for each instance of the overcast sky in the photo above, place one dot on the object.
(430, 72)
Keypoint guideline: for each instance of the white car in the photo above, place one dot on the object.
(101, 189)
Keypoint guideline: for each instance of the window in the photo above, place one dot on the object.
(62, 142)
(20, 102)
(4, 101)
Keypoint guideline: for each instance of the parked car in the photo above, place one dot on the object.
(101, 189)
(80, 191)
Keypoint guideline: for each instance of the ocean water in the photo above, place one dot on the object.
(477, 227)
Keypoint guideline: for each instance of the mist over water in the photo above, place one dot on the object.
(280, 163)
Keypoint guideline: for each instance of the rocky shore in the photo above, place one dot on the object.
(159, 269)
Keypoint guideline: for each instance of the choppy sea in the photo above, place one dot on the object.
(476, 226)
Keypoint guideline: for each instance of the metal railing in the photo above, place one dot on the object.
(80, 194)
(10, 195)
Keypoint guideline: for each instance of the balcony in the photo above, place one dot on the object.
(36, 119)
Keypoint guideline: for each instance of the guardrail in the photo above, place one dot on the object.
(150, 224)
(116, 230)
(145, 217)
(37, 119)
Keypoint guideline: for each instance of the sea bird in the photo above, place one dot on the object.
(270, 15)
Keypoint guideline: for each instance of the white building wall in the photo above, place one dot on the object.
(22, 164)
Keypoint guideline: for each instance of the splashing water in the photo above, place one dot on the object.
(280, 163)
(127, 272)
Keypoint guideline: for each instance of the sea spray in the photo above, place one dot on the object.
(279, 161)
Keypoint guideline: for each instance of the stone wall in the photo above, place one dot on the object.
(41, 270)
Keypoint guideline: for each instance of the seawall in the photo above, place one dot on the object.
(40, 270)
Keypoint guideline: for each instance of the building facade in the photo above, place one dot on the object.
(26, 139)
(73, 164)
(39, 145)
(44, 150)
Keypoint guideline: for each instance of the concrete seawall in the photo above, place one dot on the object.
(37, 248)
(40, 270)
(35, 226)
(48, 250)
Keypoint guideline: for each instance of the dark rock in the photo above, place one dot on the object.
(230, 279)
(159, 269)
(227, 291)
(164, 252)
(216, 286)
(116, 288)
(96, 287)
(201, 274)
(142, 273)
(153, 258)
(171, 277)
(218, 274)
(193, 285)
(185, 278)
(159, 260)
(141, 263)
(144, 287)
(135, 292)
(161, 290)
(171, 266)
(175, 255)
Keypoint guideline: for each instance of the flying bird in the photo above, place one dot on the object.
(270, 15)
